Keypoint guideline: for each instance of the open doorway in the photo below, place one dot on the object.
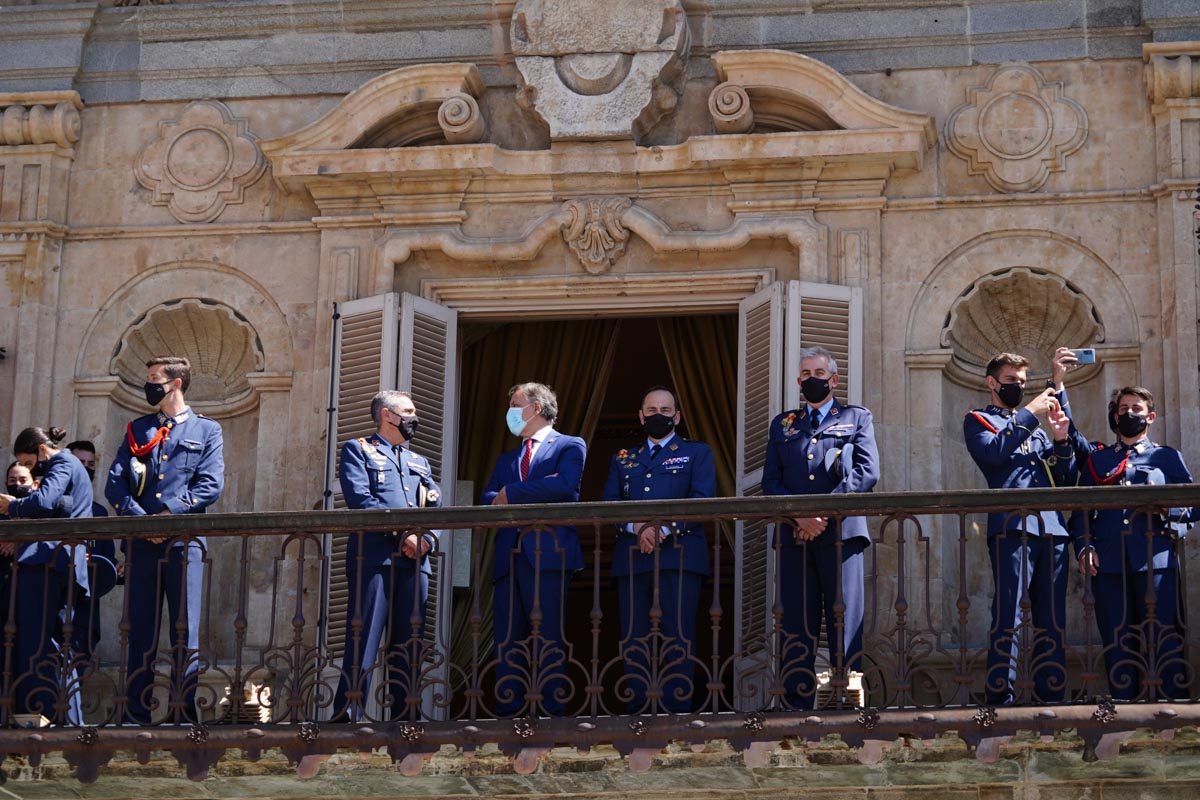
(599, 369)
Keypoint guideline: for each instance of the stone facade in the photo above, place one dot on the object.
(182, 174)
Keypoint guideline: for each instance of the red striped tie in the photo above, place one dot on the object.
(527, 458)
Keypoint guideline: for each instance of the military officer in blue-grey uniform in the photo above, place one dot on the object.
(387, 571)
(533, 566)
(1027, 552)
(669, 556)
(824, 447)
(46, 570)
(169, 462)
(1131, 556)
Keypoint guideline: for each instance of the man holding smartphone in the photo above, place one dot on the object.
(1027, 551)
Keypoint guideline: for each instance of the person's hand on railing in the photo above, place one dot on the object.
(808, 528)
(8, 549)
(1089, 562)
(411, 543)
(649, 536)
(501, 498)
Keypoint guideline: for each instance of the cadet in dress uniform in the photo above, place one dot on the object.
(169, 462)
(45, 569)
(1027, 553)
(1126, 550)
(822, 448)
(387, 571)
(532, 567)
(665, 467)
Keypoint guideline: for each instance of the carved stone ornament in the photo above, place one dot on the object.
(599, 70)
(1019, 311)
(1017, 129)
(1173, 71)
(200, 162)
(221, 345)
(41, 123)
(596, 232)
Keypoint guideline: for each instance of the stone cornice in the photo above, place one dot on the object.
(189, 231)
(23, 23)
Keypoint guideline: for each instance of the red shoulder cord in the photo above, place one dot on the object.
(982, 420)
(1112, 477)
(140, 450)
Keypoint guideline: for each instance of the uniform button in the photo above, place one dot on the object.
(161, 476)
(814, 441)
(165, 458)
(812, 477)
(159, 494)
(810, 456)
(1124, 522)
(647, 474)
(646, 489)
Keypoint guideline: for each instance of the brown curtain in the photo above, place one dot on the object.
(572, 357)
(702, 355)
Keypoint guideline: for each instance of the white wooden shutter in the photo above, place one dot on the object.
(831, 316)
(364, 358)
(429, 371)
(761, 347)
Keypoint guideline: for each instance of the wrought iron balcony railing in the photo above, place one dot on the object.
(277, 615)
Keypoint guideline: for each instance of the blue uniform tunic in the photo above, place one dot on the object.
(388, 590)
(1027, 550)
(45, 571)
(183, 474)
(661, 660)
(1143, 645)
(816, 577)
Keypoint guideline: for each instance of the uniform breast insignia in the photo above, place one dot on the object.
(626, 459)
(786, 424)
(673, 446)
(841, 429)
(676, 462)
(418, 469)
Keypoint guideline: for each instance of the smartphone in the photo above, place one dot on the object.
(1086, 355)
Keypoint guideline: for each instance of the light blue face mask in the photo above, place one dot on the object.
(516, 419)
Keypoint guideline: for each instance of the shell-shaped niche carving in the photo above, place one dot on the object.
(1021, 310)
(220, 344)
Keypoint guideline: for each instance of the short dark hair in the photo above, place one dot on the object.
(1136, 391)
(1005, 360)
(29, 440)
(174, 367)
(661, 388)
(82, 444)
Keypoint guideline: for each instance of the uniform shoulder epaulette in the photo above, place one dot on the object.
(982, 420)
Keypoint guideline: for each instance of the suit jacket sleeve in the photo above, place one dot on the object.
(562, 485)
(352, 475)
(207, 481)
(994, 448)
(119, 488)
(494, 484)
(865, 472)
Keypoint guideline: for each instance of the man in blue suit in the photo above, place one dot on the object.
(169, 462)
(387, 571)
(824, 447)
(1027, 552)
(533, 565)
(670, 558)
(1131, 556)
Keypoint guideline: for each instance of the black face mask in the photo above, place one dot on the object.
(91, 473)
(39, 470)
(658, 425)
(19, 491)
(1130, 424)
(1011, 394)
(815, 390)
(408, 427)
(155, 392)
